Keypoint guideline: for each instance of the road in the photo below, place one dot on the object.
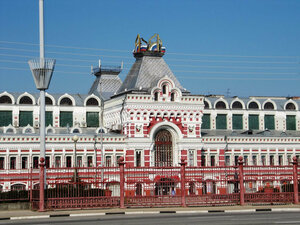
(262, 218)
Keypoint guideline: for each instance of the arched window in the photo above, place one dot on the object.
(290, 106)
(164, 89)
(221, 105)
(48, 101)
(172, 97)
(163, 148)
(5, 99)
(92, 102)
(66, 101)
(253, 105)
(26, 100)
(156, 96)
(237, 105)
(269, 106)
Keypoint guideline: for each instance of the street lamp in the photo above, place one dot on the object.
(75, 139)
(42, 70)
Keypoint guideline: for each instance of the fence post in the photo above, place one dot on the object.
(295, 180)
(182, 174)
(241, 179)
(122, 181)
(42, 185)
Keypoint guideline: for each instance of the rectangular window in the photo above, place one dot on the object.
(24, 162)
(269, 122)
(254, 160)
(66, 119)
(5, 118)
(236, 160)
(213, 160)
(35, 162)
(245, 160)
(117, 159)
(13, 163)
(289, 159)
(237, 122)
(205, 121)
(69, 161)
(203, 160)
(272, 160)
(221, 121)
(138, 158)
(2, 163)
(253, 122)
(57, 161)
(90, 161)
(47, 162)
(108, 161)
(290, 122)
(280, 160)
(92, 119)
(49, 118)
(25, 118)
(263, 160)
(227, 160)
(191, 158)
(78, 161)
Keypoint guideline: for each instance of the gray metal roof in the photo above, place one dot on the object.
(106, 85)
(146, 72)
(246, 133)
(279, 101)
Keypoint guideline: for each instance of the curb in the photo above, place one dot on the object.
(154, 212)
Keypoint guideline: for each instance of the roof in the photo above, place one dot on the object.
(249, 133)
(146, 72)
(106, 85)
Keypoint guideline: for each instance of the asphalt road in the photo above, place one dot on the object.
(263, 218)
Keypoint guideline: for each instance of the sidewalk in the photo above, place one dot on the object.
(27, 214)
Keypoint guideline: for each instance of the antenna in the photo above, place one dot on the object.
(122, 64)
(228, 92)
(99, 63)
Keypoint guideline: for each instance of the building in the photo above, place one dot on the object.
(150, 119)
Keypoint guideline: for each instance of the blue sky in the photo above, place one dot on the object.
(230, 47)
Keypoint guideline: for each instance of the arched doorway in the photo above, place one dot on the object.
(163, 148)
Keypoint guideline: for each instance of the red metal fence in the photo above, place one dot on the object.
(154, 186)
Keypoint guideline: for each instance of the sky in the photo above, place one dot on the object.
(228, 47)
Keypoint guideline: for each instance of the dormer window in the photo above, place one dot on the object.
(172, 97)
(156, 96)
(26, 100)
(5, 100)
(66, 102)
(164, 89)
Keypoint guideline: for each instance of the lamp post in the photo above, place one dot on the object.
(75, 139)
(42, 70)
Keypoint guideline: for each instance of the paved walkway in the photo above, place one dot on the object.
(27, 214)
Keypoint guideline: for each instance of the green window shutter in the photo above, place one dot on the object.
(92, 119)
(5, 118)
(290, 122)
(237, 122)
(206, 121)
(49, 118)
(269, 122)
(66, 118)
(253, 122)
(221, 121)
(25, 118)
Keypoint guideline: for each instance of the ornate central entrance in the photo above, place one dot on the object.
(163, 148)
